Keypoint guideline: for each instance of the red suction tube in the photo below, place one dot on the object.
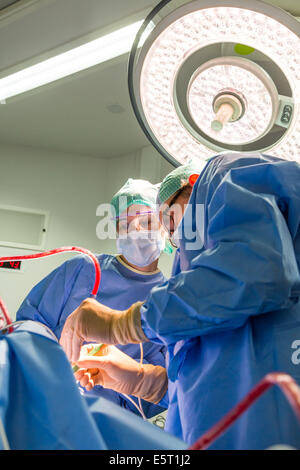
(49, 253)
(288, 386)
(6, 316)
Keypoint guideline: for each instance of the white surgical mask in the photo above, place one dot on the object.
(184, 229)
(175, 238)
(141, 248)
(178, 232)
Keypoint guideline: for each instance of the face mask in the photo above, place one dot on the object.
(185, 231)
(177, 234)
(175, 238)
(141, 248)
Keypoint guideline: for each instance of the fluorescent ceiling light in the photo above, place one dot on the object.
(92, 53)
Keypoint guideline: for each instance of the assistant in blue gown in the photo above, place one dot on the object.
(53, 299)
(230, 313)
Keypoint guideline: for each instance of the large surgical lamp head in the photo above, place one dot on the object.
(218, 75)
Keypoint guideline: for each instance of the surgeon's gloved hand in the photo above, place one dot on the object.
(92, 321)
(118, 371)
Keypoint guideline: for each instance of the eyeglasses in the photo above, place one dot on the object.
(146, 220)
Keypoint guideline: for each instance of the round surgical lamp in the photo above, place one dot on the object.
(215, 76)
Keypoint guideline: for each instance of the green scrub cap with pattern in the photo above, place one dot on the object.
(135, 191)
(177, 179)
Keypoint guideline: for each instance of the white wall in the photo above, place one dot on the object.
(70, 187)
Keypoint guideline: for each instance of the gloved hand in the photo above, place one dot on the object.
(118, 371)
(92, 321)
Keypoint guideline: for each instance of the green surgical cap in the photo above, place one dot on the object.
(177, 179)
(140, 192)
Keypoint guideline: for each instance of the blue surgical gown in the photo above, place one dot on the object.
(230, 313)
(53, 299)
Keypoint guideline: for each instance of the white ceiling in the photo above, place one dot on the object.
(76, 114)
(6, 3)
(70, 115)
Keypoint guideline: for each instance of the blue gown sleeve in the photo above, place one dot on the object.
(46, 301)
(248, 267)
(164, 402)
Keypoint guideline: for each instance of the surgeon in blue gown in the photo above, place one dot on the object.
(230, 314)
(125, 278)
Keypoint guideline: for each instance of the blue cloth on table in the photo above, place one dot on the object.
(41, 407)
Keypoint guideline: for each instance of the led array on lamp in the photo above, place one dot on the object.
(197, 30)
(259, 103)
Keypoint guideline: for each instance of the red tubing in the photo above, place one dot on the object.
(49, 253)
(6, 316)
(284, 381)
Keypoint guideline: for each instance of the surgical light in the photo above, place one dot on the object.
(218, 75)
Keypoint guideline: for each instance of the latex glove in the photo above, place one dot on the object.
(92, 321)
(118, 371)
